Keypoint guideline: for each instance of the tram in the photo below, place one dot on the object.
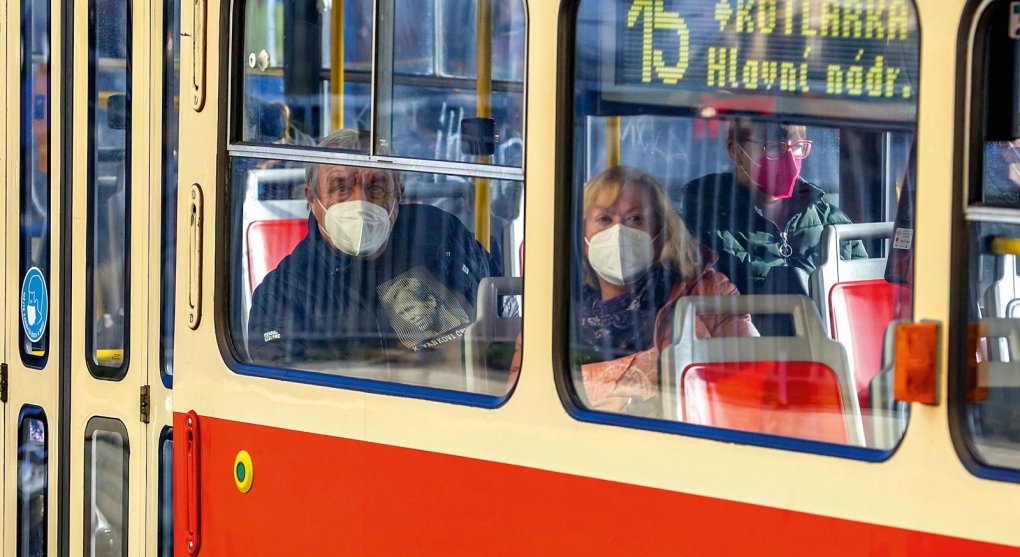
(265, 283)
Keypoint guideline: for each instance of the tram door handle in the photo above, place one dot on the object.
(195, 218)
(192, 534)
(198, 50)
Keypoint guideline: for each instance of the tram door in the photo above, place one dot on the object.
(31, 246)
(110, 236)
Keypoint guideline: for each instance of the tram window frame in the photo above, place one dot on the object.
(97, 370)
(168, 231)
(238, 149)
(33, 413)
(28, 147)
(232, 344)
(112, 426)
(567, 375)
(979, 126)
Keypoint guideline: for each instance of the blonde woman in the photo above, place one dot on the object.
(638, 260)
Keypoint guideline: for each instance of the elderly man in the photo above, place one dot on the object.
(331, 300)
(763, 219)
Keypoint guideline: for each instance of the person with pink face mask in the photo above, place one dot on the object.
(763, 219)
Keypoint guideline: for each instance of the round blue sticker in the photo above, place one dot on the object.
(35, 304)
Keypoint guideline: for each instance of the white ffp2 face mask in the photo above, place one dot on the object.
(620, 254)
(357, 228)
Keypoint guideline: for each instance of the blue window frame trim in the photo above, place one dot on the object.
(370, 386)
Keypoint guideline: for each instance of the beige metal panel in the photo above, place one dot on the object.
(922, 487)
(8, 138)
(32, 386)
(90, 396)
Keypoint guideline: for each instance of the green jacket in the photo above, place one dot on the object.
(724, 217)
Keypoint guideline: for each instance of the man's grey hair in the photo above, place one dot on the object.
(343, 140)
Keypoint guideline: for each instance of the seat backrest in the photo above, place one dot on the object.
(796, 385)
(268, 242)
(855, 300)
(832, 270)
(861, 311)
(491, 336)
(793, 399)
(1002, 299)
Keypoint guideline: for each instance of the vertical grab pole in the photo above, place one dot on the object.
(336, 69)
(612, 141)
(484, 87)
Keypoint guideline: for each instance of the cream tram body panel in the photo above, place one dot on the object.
(31, 386)
(93, 397)
(922, 487)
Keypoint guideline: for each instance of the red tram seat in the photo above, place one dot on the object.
(855, 300)
(796, 386)
(861, 311)
(793, 399)
(269, 241)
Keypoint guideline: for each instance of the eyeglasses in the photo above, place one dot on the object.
(775, 150)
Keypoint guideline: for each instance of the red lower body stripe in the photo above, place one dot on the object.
(319, 495)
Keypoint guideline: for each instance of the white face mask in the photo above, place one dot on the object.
(620, 254)
(357, 228)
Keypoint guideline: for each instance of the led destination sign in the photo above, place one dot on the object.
(848, 50)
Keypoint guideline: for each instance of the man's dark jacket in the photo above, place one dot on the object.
(322, 305)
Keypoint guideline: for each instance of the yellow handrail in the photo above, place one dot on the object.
(612, 141)
(336, 66)
(484, 88)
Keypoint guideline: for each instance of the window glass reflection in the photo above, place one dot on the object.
(166, 493)
(35, 165)
(106, 489)
(171, 132)
(376, 274)
(992, 406)
(742, 237)
(33, 482)
(109, 175)
(297, 90)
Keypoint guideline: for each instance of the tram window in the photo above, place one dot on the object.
(735, 182)
(986, 394)
(33, 479)
(166, 493)
(383, 280)
(35, 184)
(106, 488)
(429, 102)
(427, 117)
(992, 405)
(294, 90)
(171, 133)
(109, 188)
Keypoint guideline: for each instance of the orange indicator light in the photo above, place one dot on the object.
(916, 362)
